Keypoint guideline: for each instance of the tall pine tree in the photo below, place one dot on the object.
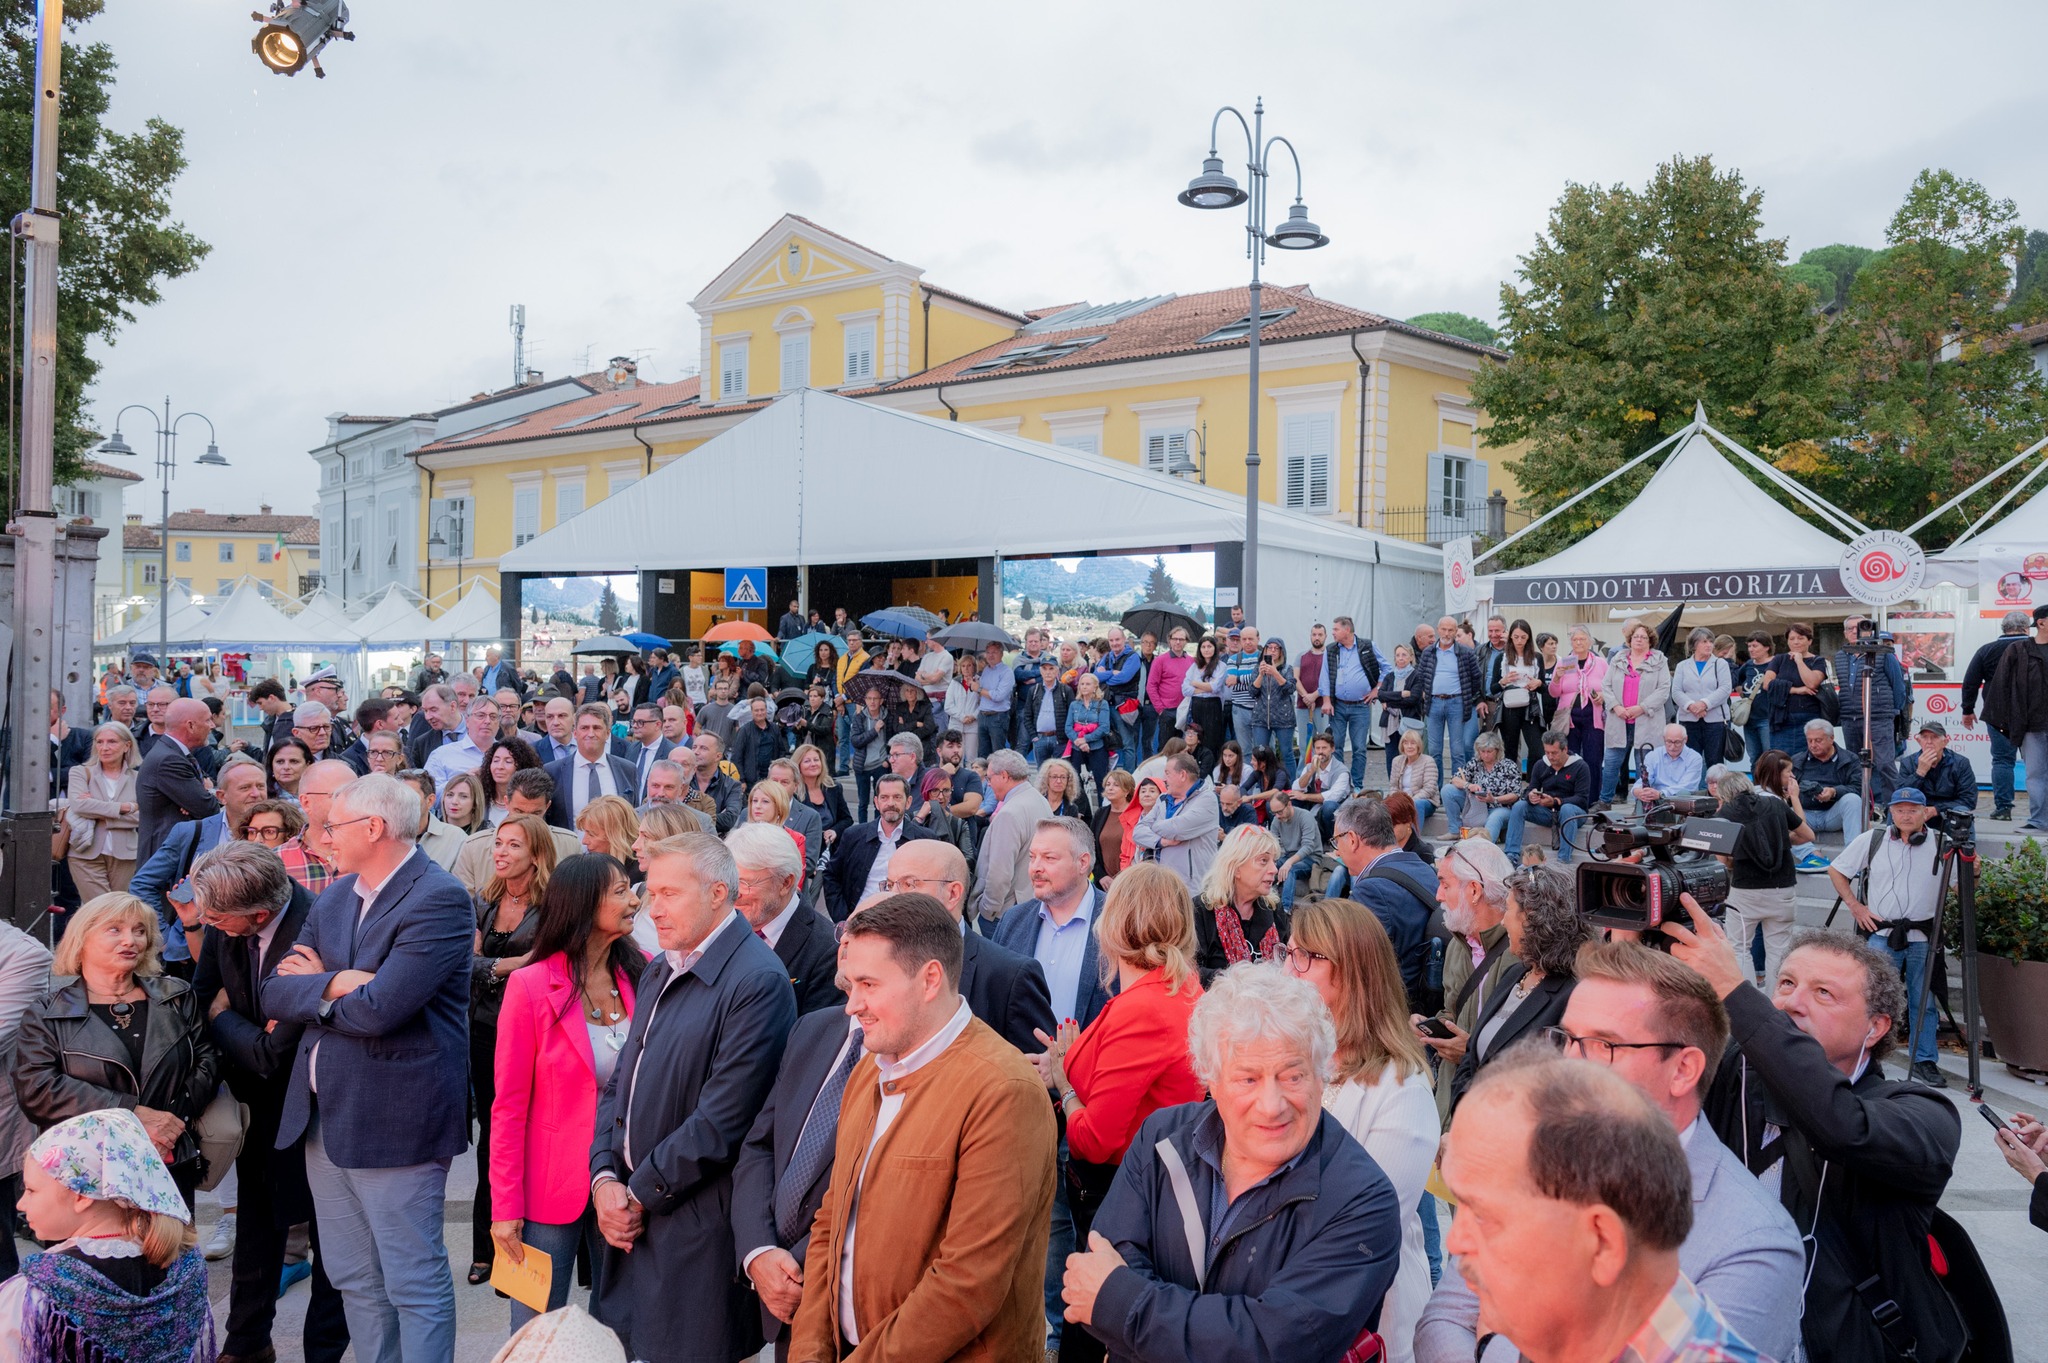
(1158, 585)
(608, 621)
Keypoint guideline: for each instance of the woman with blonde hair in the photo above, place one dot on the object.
(1060, 784)
(608, 827)
(1381, 1091)
(1238, 915)
(1412, 772)
(1133, 1058)
(101, 810)
(768, 802)
(120, 1279)
(115, 1031)
(463, 803)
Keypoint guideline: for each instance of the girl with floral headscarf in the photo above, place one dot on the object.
(122, 1281)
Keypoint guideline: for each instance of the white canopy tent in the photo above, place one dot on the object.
(1701, 533)
(143, 633)
(246, 623)
(839, 478)
(393, 622)
(322, 614)
(472, 620)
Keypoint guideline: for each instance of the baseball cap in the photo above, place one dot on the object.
(1908, 795)
(1931, 725)
(144, 660)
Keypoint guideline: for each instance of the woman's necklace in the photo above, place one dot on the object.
(602, 1014)
(119, 1010)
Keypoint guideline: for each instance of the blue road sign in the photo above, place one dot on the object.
(746, 589)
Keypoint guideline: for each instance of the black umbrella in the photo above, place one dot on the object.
(1159, 619)
(1667, 633)
(974, 634)
(860, 683)
(607, 646)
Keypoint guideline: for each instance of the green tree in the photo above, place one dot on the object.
(1159, 584)
(1932, 392)
(1456, 324)
(1841, 264)
(1048, 612)
(1024, 608)
(2030, 280)
(608, 621)
(120, 243)
(1632, 306)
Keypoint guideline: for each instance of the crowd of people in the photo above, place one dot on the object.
(1121, 1010)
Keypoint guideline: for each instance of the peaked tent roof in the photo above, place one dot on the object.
(394, 620)
(247, 621)
(1698, 513)
(2024, 525)
(323, 614)
(962, 491)
(474, 619)
(185, 619)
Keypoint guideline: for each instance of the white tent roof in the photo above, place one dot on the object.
(2024, 525)
(816, 478)
(473, 619)
(394, 620)
(1698, 513)
(246, 621)
(323, 615)
(143, 630)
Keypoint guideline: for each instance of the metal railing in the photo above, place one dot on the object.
(1490, 520)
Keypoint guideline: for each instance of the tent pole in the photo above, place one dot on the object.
(1566, 505)
(1999, 505)
(1964, 495)
(1813, 501)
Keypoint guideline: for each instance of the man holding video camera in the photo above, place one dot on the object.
(1890, 878)
(1859, 1159)
(1868, 655)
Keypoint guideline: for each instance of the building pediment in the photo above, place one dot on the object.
(796, 258)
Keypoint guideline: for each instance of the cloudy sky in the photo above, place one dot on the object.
(601, 162)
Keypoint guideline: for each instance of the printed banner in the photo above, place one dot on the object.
(2010, 578)
(1624, 589)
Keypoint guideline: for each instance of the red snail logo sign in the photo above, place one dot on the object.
(1882, 568)
(1940, 703)
(1457, 574)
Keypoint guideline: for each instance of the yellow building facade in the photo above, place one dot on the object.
(1363, 419)
(211, 552)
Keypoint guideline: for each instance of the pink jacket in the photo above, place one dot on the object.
(1163, 682)
(1581, 683)
(545, 1114)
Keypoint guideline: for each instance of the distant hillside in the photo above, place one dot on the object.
(1118, 581)
(574, 598)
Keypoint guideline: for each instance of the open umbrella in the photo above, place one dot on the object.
(646, 640)
(1159, 619)
(903, 622)
(975, 634)
(732, 650)
(860, 683)
(607, 646)
(805, 647)
(734, 630)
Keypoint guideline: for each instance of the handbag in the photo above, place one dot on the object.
(1515, 698)
(1731, 744)
(220, 1131)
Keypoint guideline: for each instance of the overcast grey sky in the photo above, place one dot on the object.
(602, 162)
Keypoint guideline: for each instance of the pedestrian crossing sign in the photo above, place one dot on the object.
(746, 589)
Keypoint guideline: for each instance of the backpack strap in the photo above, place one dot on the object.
(1190, 1214)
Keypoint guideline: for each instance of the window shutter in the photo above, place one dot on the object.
(1158, 452)
(860, 353)
(525, 515)
(796, 362)
(732, 371)
(1087, 444)
(1307, 442)
(568, 500)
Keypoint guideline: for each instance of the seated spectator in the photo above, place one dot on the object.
(1560, 792)
(1398, 886)
(1830, 783)
(1484, 791)
(1545, 932)
(1238, 916)
(1233, 811)
(1944, 776)
(1300, 842)
(1574, 1198)
(1323, 783)
(1318, 1226)
(1672, 770)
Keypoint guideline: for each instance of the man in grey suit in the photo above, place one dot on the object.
(1002, 871)
(1659, 1025)
(713, 1013)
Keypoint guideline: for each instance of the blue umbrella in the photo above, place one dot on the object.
(732, 650)
(805, 646)
(898, 622)
(646, 640)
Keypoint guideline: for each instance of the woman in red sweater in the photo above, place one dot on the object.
(1133, 1059)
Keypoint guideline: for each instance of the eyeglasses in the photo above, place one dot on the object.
(1601, 1049)
(317, 728)
(333, 824)
(912, 884)
(1298, 959)
(268, 832)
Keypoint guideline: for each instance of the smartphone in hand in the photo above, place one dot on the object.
(1435, 1027)
(1998, 1123)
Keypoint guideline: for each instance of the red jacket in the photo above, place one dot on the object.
(545, 1114)
(1130, 1062)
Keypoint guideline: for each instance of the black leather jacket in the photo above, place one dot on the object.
(68, 1062)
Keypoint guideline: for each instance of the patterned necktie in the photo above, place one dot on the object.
(813, 1147)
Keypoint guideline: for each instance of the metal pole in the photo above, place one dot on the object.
(1966, 912)
(1249, 590)
(163, 572)
(34, 525)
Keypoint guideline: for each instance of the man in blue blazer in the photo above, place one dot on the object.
(379, 1088)
(591, 771)
(1057, 927)
(713, 1012)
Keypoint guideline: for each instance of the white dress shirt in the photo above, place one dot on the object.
(885, 849)
(772, 929)
(892, 1103)
(579, 780)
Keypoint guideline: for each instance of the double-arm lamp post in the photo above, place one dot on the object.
(167, 468)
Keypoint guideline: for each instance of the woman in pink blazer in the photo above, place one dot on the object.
(563, 1021)
(1577, 683)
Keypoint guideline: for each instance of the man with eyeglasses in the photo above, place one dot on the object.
(324, 686)
(308, 857)
(1659, 1025)
(313, 725)
(466, 753)
(253, 912)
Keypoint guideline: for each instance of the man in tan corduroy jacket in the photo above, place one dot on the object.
(930, 1243)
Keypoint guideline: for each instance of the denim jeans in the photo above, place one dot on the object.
(1756, 736)
(1844, 816)
(1612, 764)
(1281, 741)
(2034, 752)
(1351, 721)
(1443, 736)
(2003, 754)
(1458, 803)
(1565, 818)
(1045, 746)
(1127, 753)
(381, 1230)
(1057, 1247)
(994, 727)
(1912, 962)
(864, 790)
(1241, 729)
(1298, 875)
(1432, 1238)
(559, 1244)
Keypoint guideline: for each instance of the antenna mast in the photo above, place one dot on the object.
(518, 344)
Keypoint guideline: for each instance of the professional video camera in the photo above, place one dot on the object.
(1677, 858)
(1870, 640)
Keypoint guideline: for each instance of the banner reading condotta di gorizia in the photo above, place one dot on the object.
(2011, 578)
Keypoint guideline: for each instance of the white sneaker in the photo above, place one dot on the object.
(222, 1243)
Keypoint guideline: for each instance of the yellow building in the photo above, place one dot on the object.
(211, 552)
(1362, 418)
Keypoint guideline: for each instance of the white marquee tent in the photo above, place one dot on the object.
(393, 622)
(142, 633)
(472, 620)
(323, 615)
(820, 479)
(246, 623)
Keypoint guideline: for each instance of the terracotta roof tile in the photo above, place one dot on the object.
(99, 470)
(2036, 334)
(673, 401)
(138, 537)
(295, 529)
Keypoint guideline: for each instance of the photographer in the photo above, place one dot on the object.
(1868, 653)
(1898, 873)
(1860, 1160)
(1762, 877)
